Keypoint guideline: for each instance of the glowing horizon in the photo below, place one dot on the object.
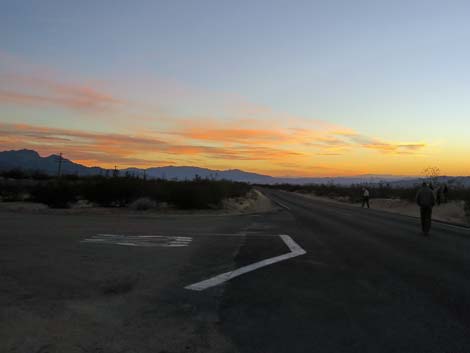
(332, 92)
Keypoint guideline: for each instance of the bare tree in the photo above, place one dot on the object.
(432, 174)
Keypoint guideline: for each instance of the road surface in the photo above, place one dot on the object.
(368, 282)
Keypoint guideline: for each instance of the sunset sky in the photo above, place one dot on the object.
(286, 88)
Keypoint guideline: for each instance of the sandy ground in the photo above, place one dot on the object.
(254, 202)
(452, 212)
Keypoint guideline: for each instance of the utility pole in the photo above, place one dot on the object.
(145, 174)
(59, 168)
(115, 172)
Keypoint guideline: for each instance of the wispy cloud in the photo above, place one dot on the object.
(109, 148)
(235, 135)
(208, 129)
(40, 91)
(283, 158)
(387, 147)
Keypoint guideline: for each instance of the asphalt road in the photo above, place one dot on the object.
(369, 282)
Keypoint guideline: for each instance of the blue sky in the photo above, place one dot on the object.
(394, 70)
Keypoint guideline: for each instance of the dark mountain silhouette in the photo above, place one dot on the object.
(31, 160)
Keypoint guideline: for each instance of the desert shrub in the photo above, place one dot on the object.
(16, 189)
(55, 194)
(15, 173)
(143, 204)
(39, 175)
(123, 191)
(19, 174)
(196, 194)
(110, 191)
(70, 177)
(11, 191)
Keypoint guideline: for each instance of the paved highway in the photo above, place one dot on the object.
(368, 282)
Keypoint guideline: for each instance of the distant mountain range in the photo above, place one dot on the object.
(31, 160)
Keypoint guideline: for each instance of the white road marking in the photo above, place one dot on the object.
(281, 204)
(244, 234)
(295, 250)
(140, 240)
(451, 225)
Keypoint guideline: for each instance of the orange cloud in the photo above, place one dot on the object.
(225, 131)
(23, 90)
(110, 148)
(388, 147)
(289, 152)
(322, 139)
(251, 136)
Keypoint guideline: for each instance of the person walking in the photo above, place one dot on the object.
(445, 193)
(426, 201)
(438, 194)
(365, 197)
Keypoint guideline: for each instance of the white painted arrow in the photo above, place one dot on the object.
(295, 250)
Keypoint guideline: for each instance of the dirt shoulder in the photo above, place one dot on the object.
(451, 212)
(254, 202)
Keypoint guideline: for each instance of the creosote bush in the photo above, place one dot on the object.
(143, 204)
(123, 191)
(55, 193)
(195, 194)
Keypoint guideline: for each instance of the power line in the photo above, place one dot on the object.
(59, 168)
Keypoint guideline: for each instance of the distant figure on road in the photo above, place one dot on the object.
(426, 201)
(438, 195)
(365, 197)
(445, 192)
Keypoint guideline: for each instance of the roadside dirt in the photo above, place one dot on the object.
(254, 202)
(452, 212)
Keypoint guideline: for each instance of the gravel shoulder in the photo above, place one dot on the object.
(451, 212)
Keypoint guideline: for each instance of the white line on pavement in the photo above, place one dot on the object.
(295, 250)
(455, 226)
(140, 240)
(281, 204)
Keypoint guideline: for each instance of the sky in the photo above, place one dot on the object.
(286, 88)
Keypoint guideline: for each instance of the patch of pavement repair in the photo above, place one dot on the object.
(295, 250)
(139, 240)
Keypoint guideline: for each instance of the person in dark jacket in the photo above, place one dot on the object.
(426, 201)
